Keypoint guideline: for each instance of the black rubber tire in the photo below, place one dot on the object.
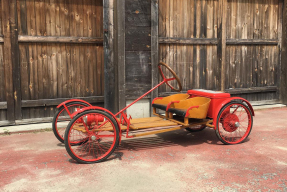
(219, 114)
(67, 146)
(196, 130)
(56, 115)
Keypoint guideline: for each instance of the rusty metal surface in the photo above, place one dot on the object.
(173, 161)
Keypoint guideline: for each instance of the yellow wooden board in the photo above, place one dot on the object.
(139, 123)
(144, 123)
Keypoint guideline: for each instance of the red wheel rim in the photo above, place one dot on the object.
(63, 118)
(95, 141)
(235, 123)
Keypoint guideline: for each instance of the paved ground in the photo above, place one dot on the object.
(174, 161)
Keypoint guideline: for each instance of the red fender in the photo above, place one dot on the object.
(219, 107)
(71, 100)
(100, 108)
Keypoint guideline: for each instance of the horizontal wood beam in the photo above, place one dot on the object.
(214, 41)
(58, 39)
(54, 102)
(188, 41)
(236, 91)
(252, 41)
(252, 90)
(3, 105)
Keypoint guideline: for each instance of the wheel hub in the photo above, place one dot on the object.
(93, 137)
(236, 124)
(230, 123)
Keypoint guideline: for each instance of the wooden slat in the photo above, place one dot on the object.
(154, 48)
(283, 85)
(214, 41)
(221, 35)
(236, 91)
(121, 52)
(9, 17)
(109, 65)
(252, 90)
(280, 22)
(252, 41)
(53, 102)
(146, 119)
(156, 132)
(59, 39)
(1, 39)
(188, 41)
(147, 125)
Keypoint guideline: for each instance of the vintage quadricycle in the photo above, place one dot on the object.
(91, 133)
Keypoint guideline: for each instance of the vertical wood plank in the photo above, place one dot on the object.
(278, 50)
(36, 77)
(69, 71)
(23, 18)
(109, 64)
(221, 35)
(154, 47)
(66, 18)
(11, 59)
(121, 52)
(283, 90)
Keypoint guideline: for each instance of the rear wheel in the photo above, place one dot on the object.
(92, 141)
(62, 118)
(234, 123)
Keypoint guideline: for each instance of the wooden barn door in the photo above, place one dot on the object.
(253, 32)
(227, 45)
(188, 42)
(60, 55)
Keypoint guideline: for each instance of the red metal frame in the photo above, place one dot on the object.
(218, 103)
(187, 112)
(157, 98)
(168, 105)
(123, 116)
(218, 100)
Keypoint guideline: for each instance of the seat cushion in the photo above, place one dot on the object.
(158, 106)
(177, 111)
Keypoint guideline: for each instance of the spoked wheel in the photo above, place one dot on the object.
(234, 123)
(63, 117)
(92, 136)
(196, 128)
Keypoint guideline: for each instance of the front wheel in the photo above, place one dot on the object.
(92, 136)
(234, 123)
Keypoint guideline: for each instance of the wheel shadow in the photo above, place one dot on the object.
(61, 144)
(163, 140)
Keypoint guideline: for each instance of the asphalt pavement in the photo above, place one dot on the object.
(172, 161)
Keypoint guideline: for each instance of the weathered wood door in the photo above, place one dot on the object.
(60, 55)
(191, 33)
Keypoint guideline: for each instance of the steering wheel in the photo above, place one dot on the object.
(175, 77)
